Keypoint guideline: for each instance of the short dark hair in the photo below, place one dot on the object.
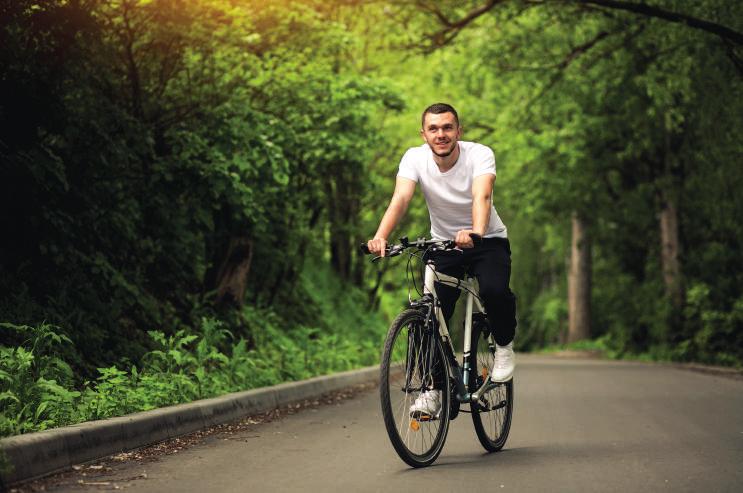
(437, 109)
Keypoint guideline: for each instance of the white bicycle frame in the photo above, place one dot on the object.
(473, 305)
(469, 286)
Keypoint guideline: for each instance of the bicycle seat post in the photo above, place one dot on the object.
(467, 336)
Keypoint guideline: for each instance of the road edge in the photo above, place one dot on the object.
(34, 455)
(716, 370)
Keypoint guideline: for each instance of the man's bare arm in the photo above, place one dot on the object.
(482, 192)
(482, 201)
(404, 190)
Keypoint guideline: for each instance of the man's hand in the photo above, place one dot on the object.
(377, 246)
(463, 239)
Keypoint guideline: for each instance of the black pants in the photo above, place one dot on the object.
(490, 263)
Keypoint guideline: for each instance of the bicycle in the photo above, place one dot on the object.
(419, 356)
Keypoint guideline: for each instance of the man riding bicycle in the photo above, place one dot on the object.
(456, 178)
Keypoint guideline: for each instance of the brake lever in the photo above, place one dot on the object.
(393, 252)
(447, 246)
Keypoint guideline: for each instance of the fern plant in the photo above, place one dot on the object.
(35, 384)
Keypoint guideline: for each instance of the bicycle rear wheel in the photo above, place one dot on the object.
(412, 362)
(492, 420)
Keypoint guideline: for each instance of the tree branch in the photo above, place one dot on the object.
(650, 11)
(581, 49)
(452, 27)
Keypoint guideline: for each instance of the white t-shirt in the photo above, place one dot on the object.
(449, 195)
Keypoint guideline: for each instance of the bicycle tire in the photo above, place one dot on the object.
(403, 375)
(491, 425)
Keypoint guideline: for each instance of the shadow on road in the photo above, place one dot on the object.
(533, 455)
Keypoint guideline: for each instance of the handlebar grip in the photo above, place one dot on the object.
(364, 249)
(476, 239)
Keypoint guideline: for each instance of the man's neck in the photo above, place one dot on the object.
(445, 163)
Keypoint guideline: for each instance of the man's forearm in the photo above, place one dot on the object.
(480, 214)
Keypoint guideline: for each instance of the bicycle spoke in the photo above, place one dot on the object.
(416, 438)
(492, 422)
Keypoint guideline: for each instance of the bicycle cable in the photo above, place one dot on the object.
(410, 274)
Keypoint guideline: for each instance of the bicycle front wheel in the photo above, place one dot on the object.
(492, 416)
(413, 362)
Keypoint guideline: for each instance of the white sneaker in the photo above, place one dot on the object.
(427, 405)
(505, 362)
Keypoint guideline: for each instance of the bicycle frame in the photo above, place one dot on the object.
(424, 360)
(473, 305)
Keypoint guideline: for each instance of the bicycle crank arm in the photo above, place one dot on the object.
(486, 387)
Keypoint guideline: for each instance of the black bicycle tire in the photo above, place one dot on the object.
(408, 456)
(491, 444)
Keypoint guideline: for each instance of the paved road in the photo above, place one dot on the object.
(579, 425)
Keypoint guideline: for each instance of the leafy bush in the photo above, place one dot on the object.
(38, 391)
(35, 385)
(716, 333)
(547, 319)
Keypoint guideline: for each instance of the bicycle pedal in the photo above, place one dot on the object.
(414, 425)
(420, 416)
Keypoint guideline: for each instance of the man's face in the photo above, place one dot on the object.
(441, 132)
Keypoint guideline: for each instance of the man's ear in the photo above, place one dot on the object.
(423, 136)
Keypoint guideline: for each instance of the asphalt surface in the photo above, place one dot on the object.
(578, 425)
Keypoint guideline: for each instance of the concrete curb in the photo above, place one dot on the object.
(722, 371)
(38, 454)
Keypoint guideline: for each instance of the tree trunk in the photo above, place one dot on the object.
(669, 237)
(342, 190)
(670, 246)
(232, 276)
(579, 282)
(359, 262)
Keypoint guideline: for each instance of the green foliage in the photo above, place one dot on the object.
(143, 140)
(37, 390)
(716, 334)
(201, 122)
(611, 115)
(35, 384)
(547, 316)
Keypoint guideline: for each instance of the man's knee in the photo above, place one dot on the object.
(496, 292)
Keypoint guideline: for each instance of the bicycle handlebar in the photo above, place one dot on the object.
(421, 244)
